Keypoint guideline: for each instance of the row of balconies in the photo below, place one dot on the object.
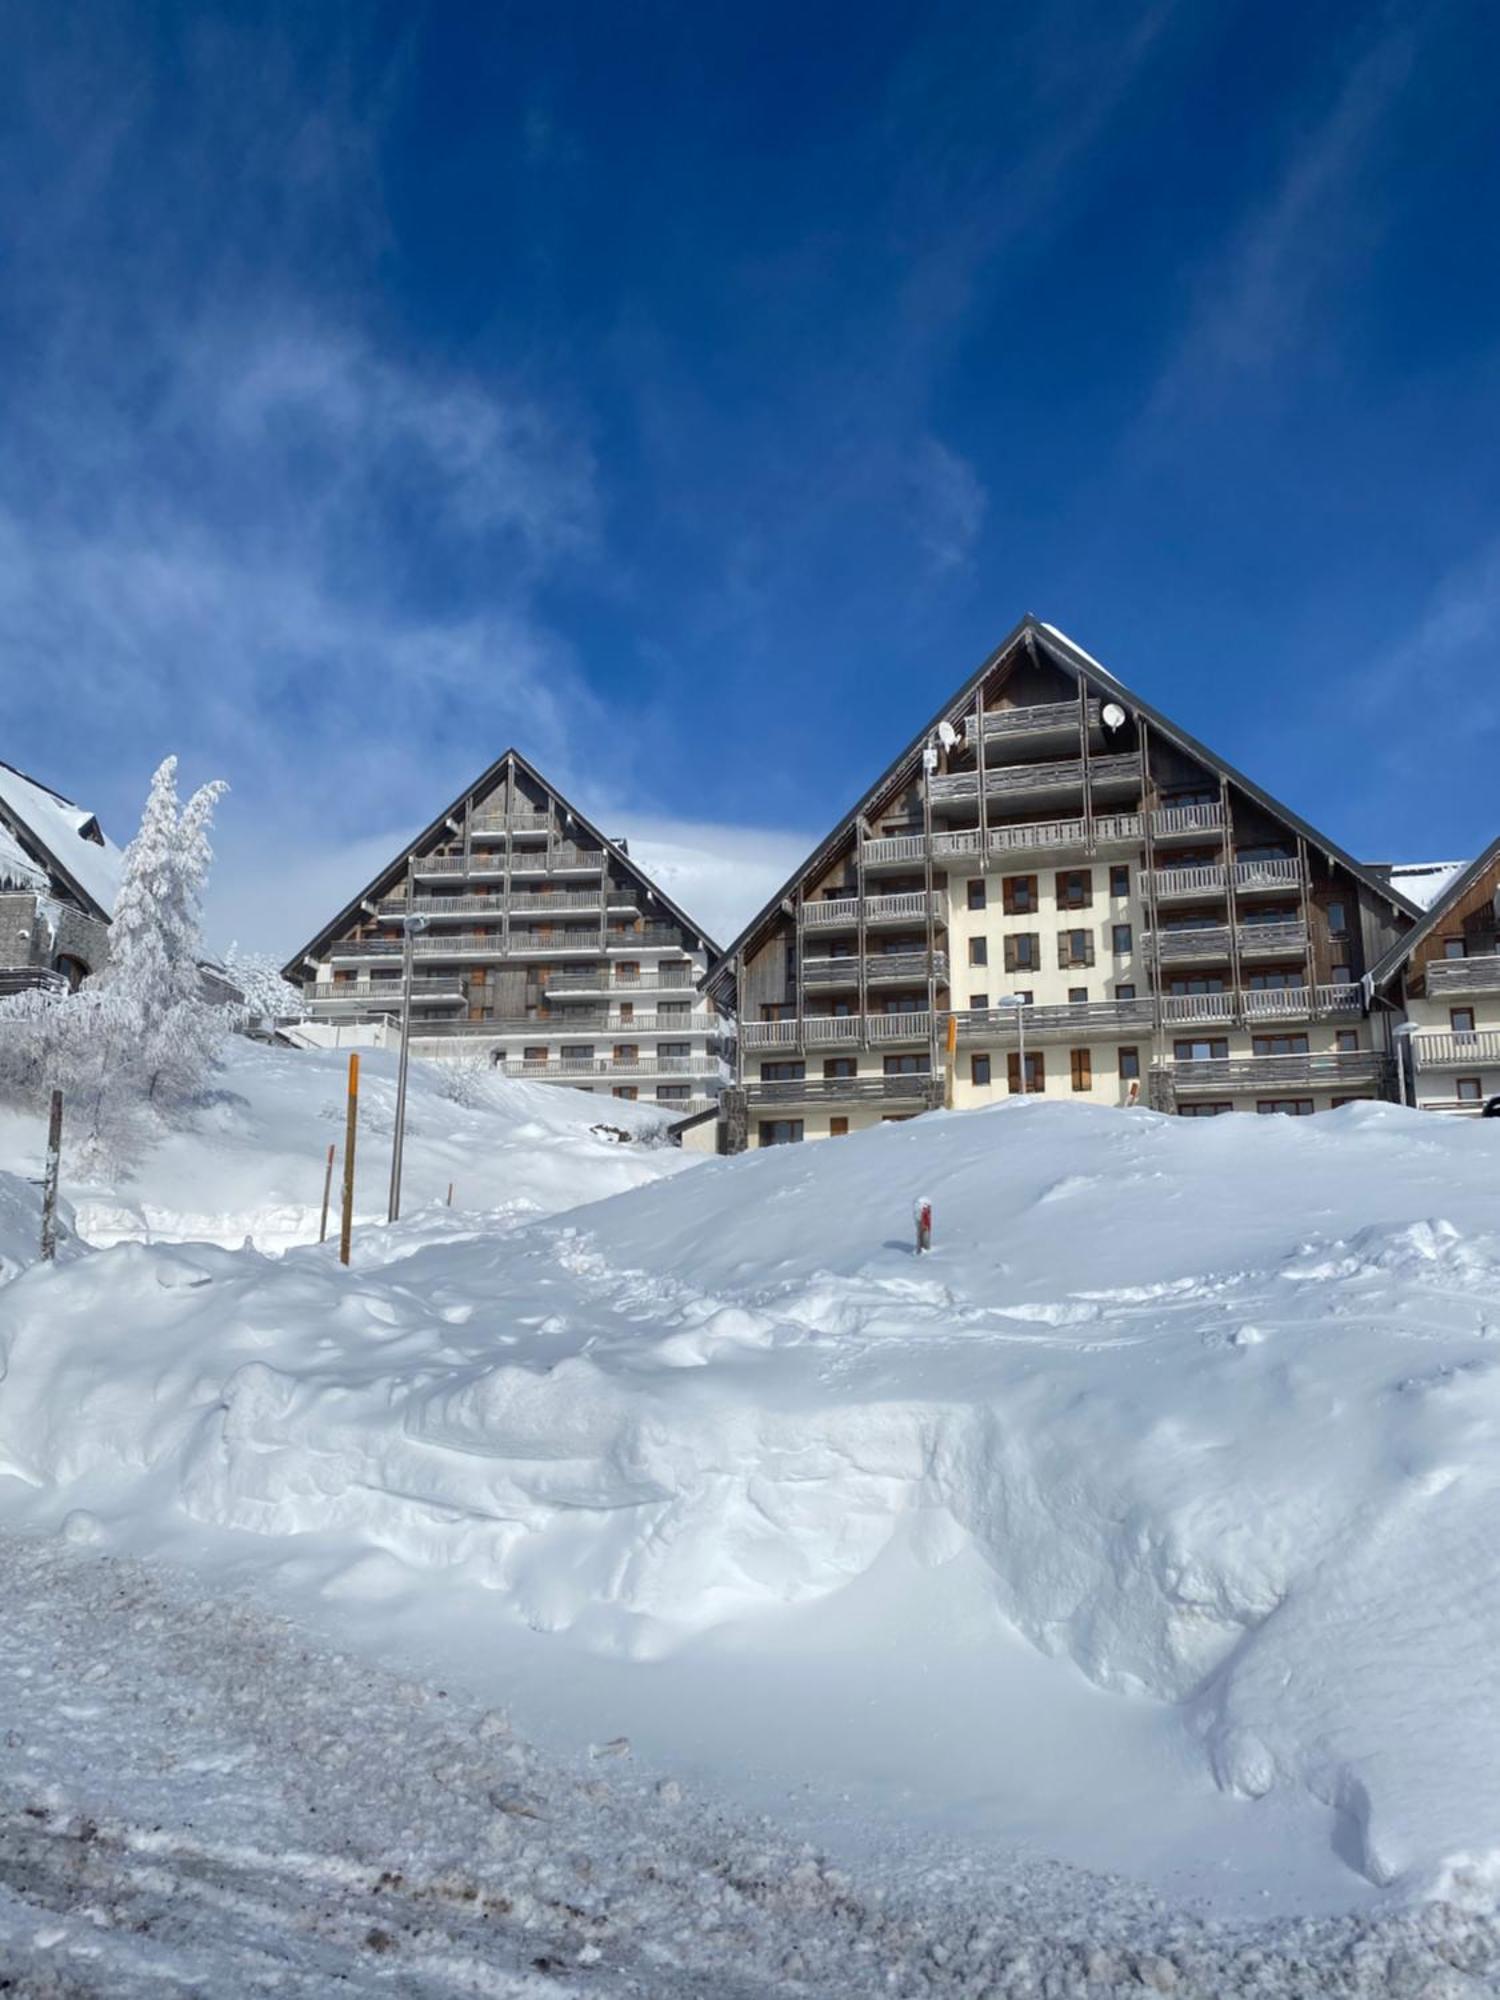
(918, 1088)
(1254, 1004)
(1215, 879)
(915, 905)
(1228, 1076)
(610, 979)
(697, 1027)
(1105, 832)
(1212, 941)
(1480, 974)
(527, 861)
(538, 943)
(1033, 720)
(1064, 774)
(490, 823)
(910, 906)
(890, 968)
(563, 902)
(575, 1069)
(837, 1031)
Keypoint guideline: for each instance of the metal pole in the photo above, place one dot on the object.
(1021, 1033)
(398, 1141)
(49, 1182)
(327, 1191)
(346, 1225)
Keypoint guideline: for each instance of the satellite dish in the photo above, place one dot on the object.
(1114, 715)
(947, 735)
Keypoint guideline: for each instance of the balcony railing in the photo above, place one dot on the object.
(579, 1070)
(881, 968)
(1211, 941)
(513, 822)
(1274, 1003)
(1480, 1050)
(667, 979)
(526, 902)
(553, 861)
(1234, 1075)
(1021, 780)
(910, 906)
(894, 847)
(1038, 718)
(1082, 1018)
(654, 935)
(556, 1027)
(385, 992)
(918, 1089)
(1190, 1007)
(1212, 879)
(1183, 822)
(1273, 939)
(30, 979)
(1250, 877)
(1480, 974)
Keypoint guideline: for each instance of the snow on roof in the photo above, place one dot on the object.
(17, 869)
(1425, 881)
(56, 826)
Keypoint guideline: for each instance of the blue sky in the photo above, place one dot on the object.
(694, 395)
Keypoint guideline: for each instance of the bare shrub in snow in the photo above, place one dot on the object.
(464, 1079)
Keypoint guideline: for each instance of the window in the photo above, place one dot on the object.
(1130, 1064)
(1026, 999)
(976, 893)
(1454, 948)
(1124, 989)
(1341, 975)
(1212, 1050)
(838, 1128)
(673, 1093)
(979, 1070)
(1346, 1041)
(627, 972)
(537, 1053)
(780, 1131)
(1122, 940)
(1075, 888)
(1468, 1090)
(908, 1065)
(627, 1013)
(783, 1072)
(1018, 895)
(1263, 982)
(1203, 1110)
(1023, 952)
(840, 1066)
(674, 1051)
(777, 1010)
(1078, 996)
(669, 1010)
(979, 951)
(1082, 1067)
(1338, 920)
(626, 1090)
(980, 1002)
(1279, 1045)
(1075, 948)
(1461, 1020)
(1036, 1074)
(1289, 1107)
(1119, 879)
(628, 1052)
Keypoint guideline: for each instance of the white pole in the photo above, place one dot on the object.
(1021, 1036)
(411, 925)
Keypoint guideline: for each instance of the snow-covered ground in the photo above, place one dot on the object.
(1146, 1526)
(250, 1163)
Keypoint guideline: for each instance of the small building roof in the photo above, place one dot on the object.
(1452, 893)
(63, 839)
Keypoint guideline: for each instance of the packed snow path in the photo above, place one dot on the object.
(195, 1799)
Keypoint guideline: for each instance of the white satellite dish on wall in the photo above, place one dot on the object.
(947, 735)
(1114, 715)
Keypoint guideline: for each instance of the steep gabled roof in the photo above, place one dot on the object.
(1064, 653)
(65, 837)
(295, 967)
(1401, 951)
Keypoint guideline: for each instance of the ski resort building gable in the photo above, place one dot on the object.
(1443, 981)
(545, 948)
(58, 878)
(1055, 890)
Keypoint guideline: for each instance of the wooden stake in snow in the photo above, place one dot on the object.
(327, 1191)
(49, 1181)
(450, 1194)
(921, 1210)
(346, 1227)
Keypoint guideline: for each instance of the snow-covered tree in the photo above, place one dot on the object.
(267, 995)
(137, 1042)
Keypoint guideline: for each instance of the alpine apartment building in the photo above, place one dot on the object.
(1442, 982)
(541, 944)
(1055, 890)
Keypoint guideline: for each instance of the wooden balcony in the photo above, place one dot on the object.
(426, 991)
(1081, 1020)
(1174, 884)
(906, 968)
(1459, 976)
(1065, 774)
(1189, 1009)
(1276, 877)
(922, 1089)
(1434, 1049)
(574, 1069)
(486, 825)
(557, 1027)
(666, 979)
(894, 850)
(912, 906)
(1186, 822)
(1030, 721)
(1272, 1076)
(1254, 1005)
(1285, 937)
(837, 1031)
(1206, 943)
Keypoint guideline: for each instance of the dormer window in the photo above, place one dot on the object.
(91, 830)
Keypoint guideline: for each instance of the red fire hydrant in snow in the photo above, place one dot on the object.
(921, 1210)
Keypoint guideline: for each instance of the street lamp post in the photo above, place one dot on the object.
(1018, 1006)
(1404, 1030)
(410, 927)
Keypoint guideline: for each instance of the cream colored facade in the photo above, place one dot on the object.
(1172, 936)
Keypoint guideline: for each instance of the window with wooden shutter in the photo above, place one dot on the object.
(1083, 1073)
(1075, 948)
(1036, 1073)
(1023, 952)
(1075, 888)
(1018, 895)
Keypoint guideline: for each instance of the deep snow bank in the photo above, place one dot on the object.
(1216, 1403)
(250, 1162)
